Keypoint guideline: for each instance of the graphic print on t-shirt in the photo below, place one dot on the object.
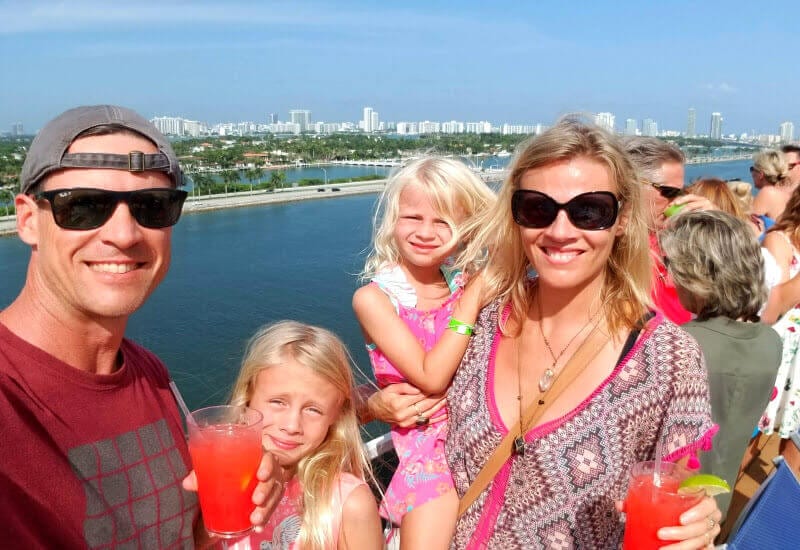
(133, 490)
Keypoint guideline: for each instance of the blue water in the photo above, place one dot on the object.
(234, 270)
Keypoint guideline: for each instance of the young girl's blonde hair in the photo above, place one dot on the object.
(342, 450)
(454, 190)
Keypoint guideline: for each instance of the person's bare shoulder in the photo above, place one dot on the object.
(361, 524)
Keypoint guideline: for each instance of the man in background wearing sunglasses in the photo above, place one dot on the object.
(93, 450)
(792, 153)
(660, 166)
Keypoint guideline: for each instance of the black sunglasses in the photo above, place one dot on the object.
(666, 191)
(83, 208)
(588, 211)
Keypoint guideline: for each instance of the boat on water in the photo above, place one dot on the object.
(503, 154)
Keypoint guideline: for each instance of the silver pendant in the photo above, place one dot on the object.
(519, 446)
(546, 380)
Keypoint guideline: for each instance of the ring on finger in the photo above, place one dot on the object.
(416, 409)
(711, 523)
(422, 420)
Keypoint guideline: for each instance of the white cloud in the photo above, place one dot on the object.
(722, 87)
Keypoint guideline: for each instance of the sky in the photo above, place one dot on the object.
(502, 61)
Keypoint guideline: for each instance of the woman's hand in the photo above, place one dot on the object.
(401, 404)
(699, 527)
(693, 203)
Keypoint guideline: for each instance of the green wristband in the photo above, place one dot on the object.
(460, 327)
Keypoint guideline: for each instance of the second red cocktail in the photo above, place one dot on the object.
(649, 508)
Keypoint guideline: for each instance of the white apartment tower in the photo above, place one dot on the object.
(787, 132)
(301, 117)
(716, 126)
(649, 127)
(691, 123)
(631, 125)
(370, 122)
(605, 121)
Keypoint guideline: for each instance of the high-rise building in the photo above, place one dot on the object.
(375, 123)
(17, 130)
(691, 123)
(370, 122)
(787, 132)
(716, 126)
(631, 125)
(272, 118)
(649, 127)
(301, 117)
(605, 121)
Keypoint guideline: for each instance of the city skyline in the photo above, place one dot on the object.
(502, 62)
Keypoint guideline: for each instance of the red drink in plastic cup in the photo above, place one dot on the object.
(225, 444)
(649, 508)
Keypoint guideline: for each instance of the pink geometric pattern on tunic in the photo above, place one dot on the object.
(561, 492)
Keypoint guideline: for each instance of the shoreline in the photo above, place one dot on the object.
(245, 199)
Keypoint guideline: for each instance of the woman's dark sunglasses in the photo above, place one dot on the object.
(83, 208)
(666, 191)
(588, 211)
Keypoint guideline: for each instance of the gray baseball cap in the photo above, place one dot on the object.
(47, 152)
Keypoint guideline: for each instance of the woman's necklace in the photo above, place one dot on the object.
(546, 380)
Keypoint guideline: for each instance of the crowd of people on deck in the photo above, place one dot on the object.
(529, 346)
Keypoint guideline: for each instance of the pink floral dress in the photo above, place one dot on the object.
(422, 472)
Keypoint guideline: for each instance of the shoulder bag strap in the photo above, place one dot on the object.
(574, 367)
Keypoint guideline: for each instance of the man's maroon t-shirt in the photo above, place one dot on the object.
(90, 461)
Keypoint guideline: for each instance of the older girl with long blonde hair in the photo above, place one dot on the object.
(299, 377)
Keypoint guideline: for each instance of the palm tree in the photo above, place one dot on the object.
(8, 195)
(277, 178)
(229, 176)
(253, 175)
(201, 181)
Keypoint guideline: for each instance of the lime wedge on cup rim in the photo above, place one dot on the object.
(711, 484)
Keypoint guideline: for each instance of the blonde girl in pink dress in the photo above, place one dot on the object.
(299, 377)
(405, 310)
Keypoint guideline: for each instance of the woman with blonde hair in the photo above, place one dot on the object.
(567, 281)
(743, 192)
(770, 173)
(299, 378)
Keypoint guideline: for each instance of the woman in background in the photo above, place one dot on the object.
(770, 173)
(783, 241)
(721, 195)
(715, 263)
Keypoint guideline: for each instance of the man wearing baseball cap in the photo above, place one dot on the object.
(93, 452)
